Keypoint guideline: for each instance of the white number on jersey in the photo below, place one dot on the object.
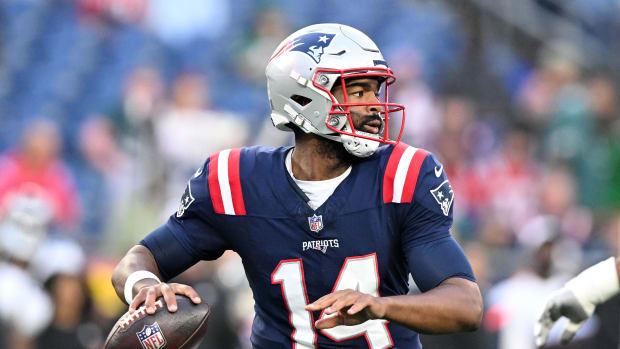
(357, 273)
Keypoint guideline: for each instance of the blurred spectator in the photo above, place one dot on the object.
(69, 296)
(567, 118)
(189, 129)
(269, 29)
(143, 99)
(24, 307)
(72, 326)
(104, 179)
(557, 67)
(601, 187)
(558, 197)
(457, 115)
(133, 132)
(36, 164)
(423, 121)
(569, 135)
(60, 264)
(602, 102)
(611, 235)
(513, 304)
(510, 180)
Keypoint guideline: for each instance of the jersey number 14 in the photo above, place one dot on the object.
(357, 273)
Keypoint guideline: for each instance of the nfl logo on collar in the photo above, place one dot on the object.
(316, 223)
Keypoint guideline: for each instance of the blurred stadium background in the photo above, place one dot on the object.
(108, 106)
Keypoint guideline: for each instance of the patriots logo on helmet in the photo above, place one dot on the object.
(444, 195)
(312, 44)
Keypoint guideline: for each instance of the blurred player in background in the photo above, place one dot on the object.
(328, 230)
(25, 308)
(578, 299)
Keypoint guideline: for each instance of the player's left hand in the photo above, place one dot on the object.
(352, 308)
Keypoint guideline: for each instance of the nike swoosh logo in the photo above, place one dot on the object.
(438, 171)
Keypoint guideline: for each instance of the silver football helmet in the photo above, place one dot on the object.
(24, 223)
(308, 64)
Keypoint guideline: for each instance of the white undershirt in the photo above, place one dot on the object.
(317, 191)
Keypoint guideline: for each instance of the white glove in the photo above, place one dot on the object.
(562, 303)
(577, 300)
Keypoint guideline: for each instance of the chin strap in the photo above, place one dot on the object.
(360, 147)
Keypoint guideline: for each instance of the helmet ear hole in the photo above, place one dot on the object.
(301, 100)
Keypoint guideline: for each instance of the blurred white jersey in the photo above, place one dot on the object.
(24, 305)
(515, 304)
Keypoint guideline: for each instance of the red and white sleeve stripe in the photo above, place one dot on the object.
(225, 184)
(401, 173)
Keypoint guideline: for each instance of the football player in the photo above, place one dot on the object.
(328, 230)
(577, 300)
(25, 308)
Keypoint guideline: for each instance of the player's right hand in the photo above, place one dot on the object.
(150, 290)
(561, 303)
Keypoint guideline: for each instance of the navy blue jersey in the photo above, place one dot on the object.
(390, 217)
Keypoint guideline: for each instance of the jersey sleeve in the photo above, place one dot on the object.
(432, 254)
(191, 234)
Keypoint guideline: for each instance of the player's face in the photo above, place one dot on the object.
(364, 90)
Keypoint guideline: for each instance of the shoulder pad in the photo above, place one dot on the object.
(224, 182)
(401, 173)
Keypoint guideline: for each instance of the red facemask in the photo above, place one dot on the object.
(386, 110)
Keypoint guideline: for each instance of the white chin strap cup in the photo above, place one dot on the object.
(360, 147)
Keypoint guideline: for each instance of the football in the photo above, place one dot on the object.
(183, 329)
